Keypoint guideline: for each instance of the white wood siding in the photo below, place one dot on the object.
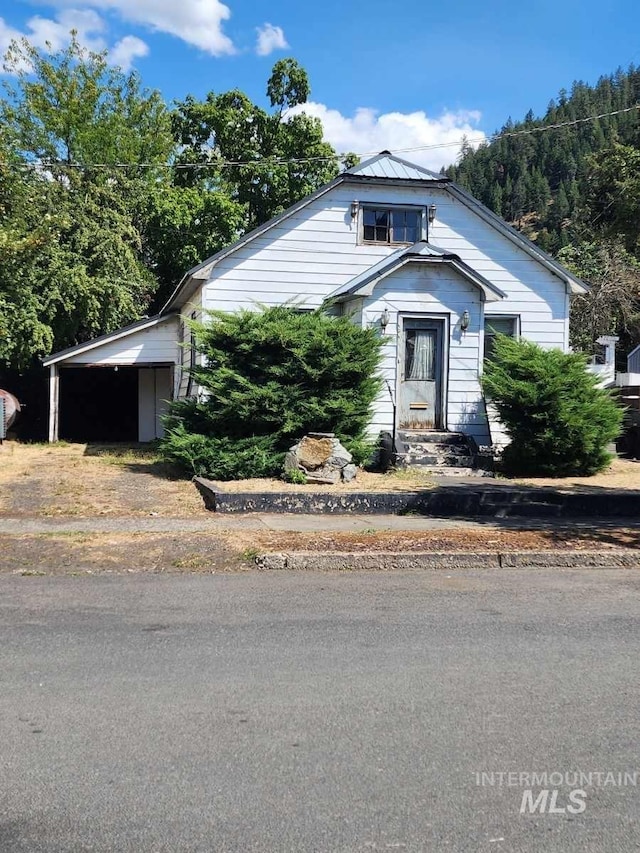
(154, 394)
(306, 257)
(155, 344)
(417, 289)
(316, 250)
(534, 293)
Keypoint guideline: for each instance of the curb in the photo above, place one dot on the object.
(406, 561)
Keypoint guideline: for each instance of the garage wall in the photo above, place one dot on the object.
(157, 343)
(154, 394)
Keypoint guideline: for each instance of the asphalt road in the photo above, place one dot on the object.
(284, 712)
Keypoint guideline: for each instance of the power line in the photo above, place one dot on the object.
(276, 161)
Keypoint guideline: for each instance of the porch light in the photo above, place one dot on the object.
(384, 319)
(431, 213)
(354, 209)
(465, 320)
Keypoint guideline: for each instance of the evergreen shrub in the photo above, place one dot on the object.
(269, 377)
(558, 419)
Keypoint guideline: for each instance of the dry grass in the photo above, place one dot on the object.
(490, 538)
(623, 474)
(394, 481)
(117, 553)
(77, 480)
(224, 551)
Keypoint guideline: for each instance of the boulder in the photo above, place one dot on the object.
(313, 453)
(322, 459)
(349, 472)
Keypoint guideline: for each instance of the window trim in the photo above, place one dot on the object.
(193, 355)
(515, 318)
(421, 209)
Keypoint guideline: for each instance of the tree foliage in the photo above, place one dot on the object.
(575, 190)
(74, 268)
(269, 377)
(558, 419)
(612, 305)
(98, 221)
(230, 128)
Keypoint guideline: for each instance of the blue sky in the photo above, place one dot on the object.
(381, 77)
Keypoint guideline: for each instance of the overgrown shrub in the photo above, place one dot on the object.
(558, 420)
(270, 376)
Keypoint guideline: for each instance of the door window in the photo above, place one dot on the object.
(420, 350)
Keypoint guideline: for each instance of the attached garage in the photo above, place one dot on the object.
(116, 387)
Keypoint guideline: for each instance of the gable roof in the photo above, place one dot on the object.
(420, 252)
(383, 167)
(387, 165)
(139, 326)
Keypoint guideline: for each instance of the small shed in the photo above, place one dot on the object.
(116, 387)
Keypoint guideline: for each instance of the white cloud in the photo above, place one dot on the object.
(88, 24)
(55, 34)
(369, 132)
(126, 50)
(270, 38)
(7, 35)
(197, 22)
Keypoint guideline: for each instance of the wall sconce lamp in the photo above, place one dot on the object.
(465, 320)
(384, 319)
(431, 212)
(354, 209)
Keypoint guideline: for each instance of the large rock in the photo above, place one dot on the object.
(313, 453)
(321, 458)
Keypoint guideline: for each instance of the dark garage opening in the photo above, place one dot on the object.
(98, 404)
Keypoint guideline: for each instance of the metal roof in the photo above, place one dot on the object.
(419, 252)
(387, 165)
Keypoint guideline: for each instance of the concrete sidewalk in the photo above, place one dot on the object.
(292, 522)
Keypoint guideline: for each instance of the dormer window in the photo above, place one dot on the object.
(391, 224)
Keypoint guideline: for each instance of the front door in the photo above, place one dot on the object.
(421, 362)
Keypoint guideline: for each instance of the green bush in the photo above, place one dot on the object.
(558, 420)
(222, 458)
(269, 377)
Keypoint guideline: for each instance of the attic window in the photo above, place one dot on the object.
(391, 224)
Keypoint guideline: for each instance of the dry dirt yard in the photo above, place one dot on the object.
(63, 480)
(80, 480)
(76, 481)
(622, 474)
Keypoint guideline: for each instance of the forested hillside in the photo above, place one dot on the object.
(575, 190)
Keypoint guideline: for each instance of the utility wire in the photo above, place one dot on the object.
(275, 161)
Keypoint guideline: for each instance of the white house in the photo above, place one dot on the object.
(394, 246)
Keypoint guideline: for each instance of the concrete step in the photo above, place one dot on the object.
(446, 471)
(435, 449)
(446, 461)
(438, 452)
(431, 436)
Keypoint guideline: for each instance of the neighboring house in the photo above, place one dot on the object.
(389, 243)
